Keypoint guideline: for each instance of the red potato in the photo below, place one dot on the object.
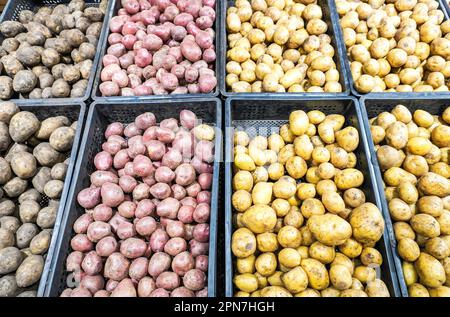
(182, 4)
(178, 191)
(143, 57)
(178, 33)
(201, 263)
(115, 128)
(116, 24)
(98, 230)
(162, 31)
(209, 55)
(102, 213)
(182, 292)
(112, 194)
(135, 70)
(204, 22)
(111, 285)
(170, 123)
(165, 135)
(116, 267)
(132, 130)
(88, 198)
(159, 292)
(109, 88)
(168, 281)
(145, 226)
(80, 292)
(73, 261)
(133, 248)
(127, 183)
(131, 6)
(92, 263)
(111, 147)
(175, 229)
(149, 72)
(204, 197)
(121, 78)
(124, 289)
(182, 263)
(183, 19)
(189, 201)
(137, 45)
(137, 149)
(126, 60)
(106, 246)
(191, 74)
(128, 169)
(185, 214)
(200, 65)
(185, 174)
(141, 34)
(205, 180)
(207, 11)
(202, 213)
(168, 208)
(110, 60)
(120, 159)
(209, 3)
(168, 63)
(201, 232)
(207, 83)
(145, 120)
(163, 4)
(144, 4)
(172, 159)
(188, 119)
(114, 38)
(178, 71)
(98, 178)
(141, 191)
(194, 88)
(198, 248)
(142, 90)
(164, 175)
(200, 166)
(102, 293)
(116, 221)
(144, 208)
(171, 12)
(146, 286)
(160, 190)
(203, 39)
(194, 279)
(158, 59)
(193, 189)
(148, 18)
(81, 242)
(156, 149)
(202, 293)
(130, 28)
(175, 246)
(158, 240)
(193, 9)
(192, 28)
(117, 50)
(66, 292)
(126, 230)
(119, 139)
(159, 262)
(82, 223)
(126, 209)
(122, 12)
(142, 165)
(189, 230)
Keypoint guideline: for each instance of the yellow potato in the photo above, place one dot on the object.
(333, 202)
(408, 249)
(243, 180)
(364, 274)
(275, 291)
(266, 264)
(246, 265)
(267, 242)
(244, 162)
(262, 193)
(340, 277)
(305, 191)
(323, 253)
(289, 257)
(284, 189)
(298, 122)
(367, 223)
(289, 237)
(351, 248)
(296, 167)
(434, 184)
(348, 178)
(259, 218)
(430, 271)
(329, 229)
(371, 257)
(241, 200)
(317, 273)
(243, 243)
(312, 206)
(377, 288)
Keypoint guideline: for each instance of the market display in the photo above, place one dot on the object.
(49, 53)
(396, 46)
(303, 226)
(146, 228)
(33, 168)
(279, 46)
(159, 47)
(413, 153)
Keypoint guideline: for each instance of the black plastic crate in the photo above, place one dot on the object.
(115, 5)
(340, 40)
(264, 115)
(100, 115)
(446, 6)
(75, 112)
(11, 12)
(339, 57)
(371, 108)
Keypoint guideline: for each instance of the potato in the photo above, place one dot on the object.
(62, 138)
(320, 224)
(340, 277)
(246, 282)
(317, 274)
(430, 271)
(10, 259)
(321, 252)
(289, 237)
(23, 125)
(23, 165)
(46, 155)
(367, 223)
(243, 243)
(30, 271)
(40, 243)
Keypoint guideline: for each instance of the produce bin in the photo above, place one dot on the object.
(371, 108)
(264, 116)
(101, 114)
(343, 48)
(75, 112)
(11, 12)
(339, 57)
(446, 6)
(115, 5)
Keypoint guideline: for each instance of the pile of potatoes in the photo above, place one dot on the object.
(32, 167)
(145, 230)
(49, 53)
(303, 227)
(279, 46)
(413, 154)
(396, 46)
